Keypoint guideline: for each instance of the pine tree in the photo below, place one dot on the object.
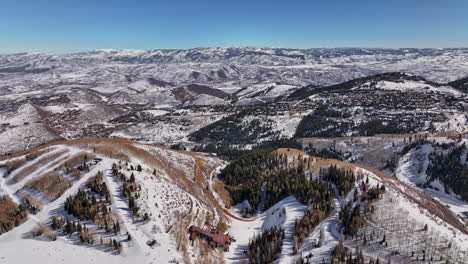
(68, 227)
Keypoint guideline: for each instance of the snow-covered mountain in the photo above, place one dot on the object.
(85, 193)
(71, 199)
(111, 92)
(225, 67)
(149, 77)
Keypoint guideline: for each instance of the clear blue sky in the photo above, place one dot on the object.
(58, 26)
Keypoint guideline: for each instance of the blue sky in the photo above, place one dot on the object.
(58, 26)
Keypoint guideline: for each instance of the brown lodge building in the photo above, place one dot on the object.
(214, 239)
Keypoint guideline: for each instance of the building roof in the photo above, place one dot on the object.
(219, 238)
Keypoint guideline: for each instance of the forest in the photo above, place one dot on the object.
(318, 210)
(448, 169)
(266, 247)
(231, 152)
(319, 126)
(245, 176)
(314, 125)
(235, 129)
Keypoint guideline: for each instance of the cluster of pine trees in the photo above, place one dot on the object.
(319, 126)
(314, 125)
(351, 215)
(342, 178)
(130, 189)
(352, 219)
(97, 185)
(320, 207)
(412, 143)
(235, 129)
(341, 254)
(83, 167)
(450, 170)
(373, 193)
(265, 248)
(285, 182)
(324, 110)
(316, 213)
(90, 204)
(84, 233)
(85, 206)
(245, 176)
(376, 126)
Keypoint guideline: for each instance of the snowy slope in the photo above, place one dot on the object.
(415, 206)
(412, 169)
(172, 194)
(262, 93)
(175, 192)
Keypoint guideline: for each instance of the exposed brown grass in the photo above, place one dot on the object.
(10, 214)
(123, 149)
(90, 142)
(24, 172)
(113, 151)
(88, 237)
(15, 164)
(222, 227)
(33, 202)
(51, 184)
(44, 230)
(28, 170)
(78, 159)
(290, 151)
(219, 187)
(36, 153)
(75, 173)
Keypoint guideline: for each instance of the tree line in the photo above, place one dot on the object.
(266, 247)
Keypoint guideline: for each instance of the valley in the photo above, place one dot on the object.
(234, 155)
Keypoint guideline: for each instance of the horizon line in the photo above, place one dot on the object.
(50, 51)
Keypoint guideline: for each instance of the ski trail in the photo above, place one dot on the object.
(138, 235)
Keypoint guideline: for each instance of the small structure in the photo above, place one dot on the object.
(464, 216)
(456, 137)
(151, 243)
(214, 239)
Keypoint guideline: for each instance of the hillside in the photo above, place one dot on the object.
(390, 103)
(461, 84)
(166, 96)
(166, 194)
(75, 194)
(305, 156)
(320, 234)
(439, 170)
